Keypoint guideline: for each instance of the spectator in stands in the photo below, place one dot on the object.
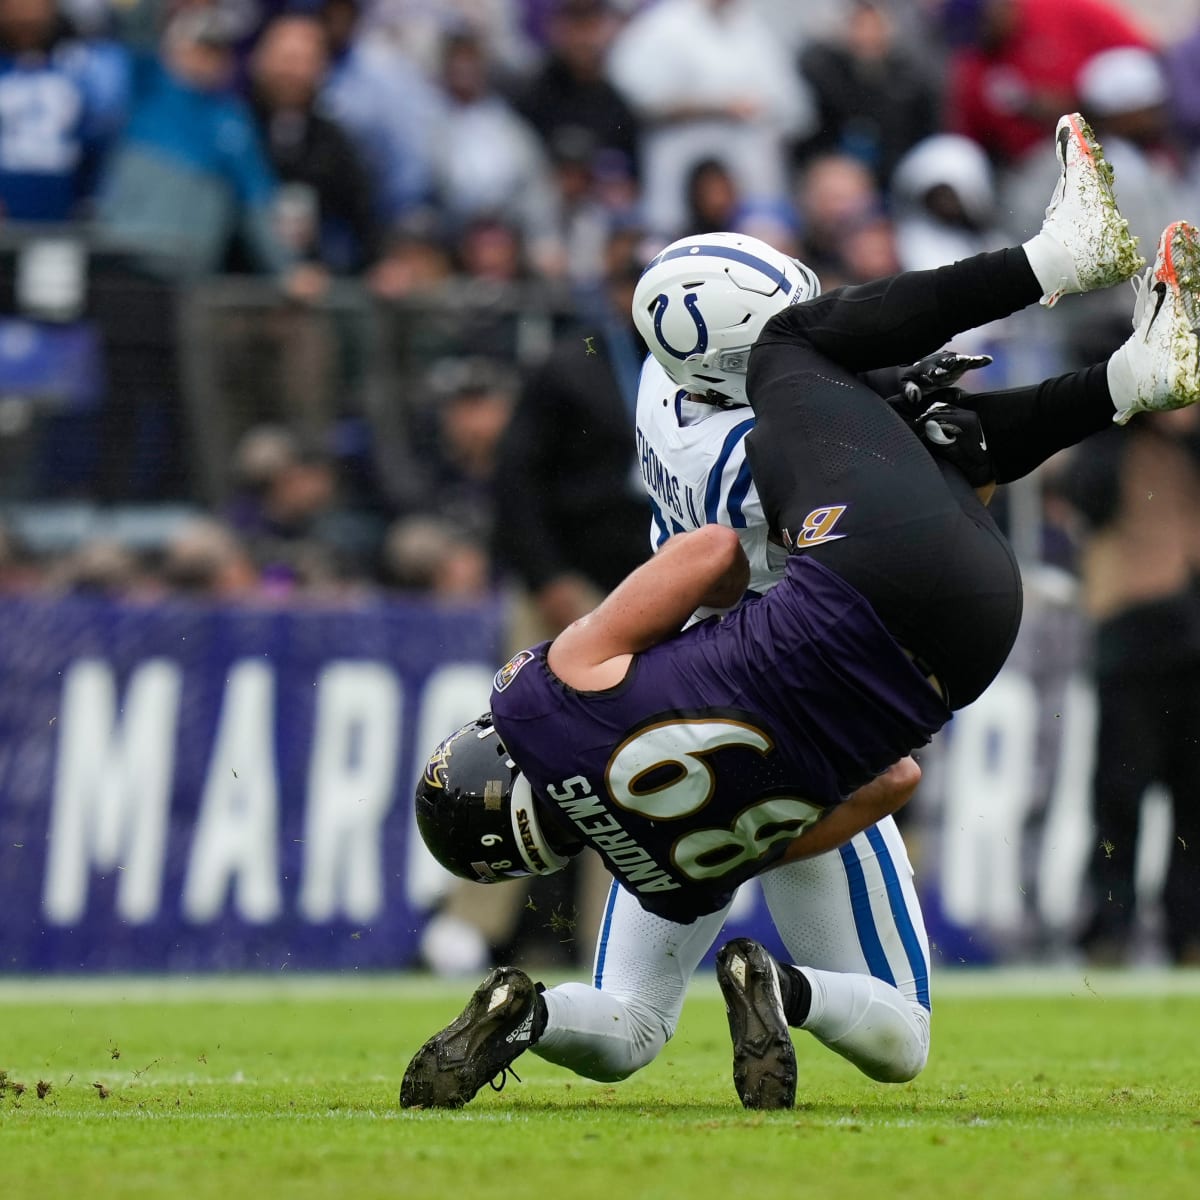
(432, 556)
(325, 209)
(417, 258)
(867, 247)
(944, 203)
(386, 105)
(100, 567)
(419, 28)
(596, 193)
(206, 558)
(457, 442)
(1138, 492)
(714, 202)
(944, 208)
(62, 102)
(570, 95)
(489, 161)
(490, 251)
(186, 184)
(835, 195)
(286, 494)
(190, 171)
(875, 98)
(709, 77)
(796, 25)
(1013, 73)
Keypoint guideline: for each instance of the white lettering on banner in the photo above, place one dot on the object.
(351, 782)
(1067, 835)
(989, 790)
(236, 836)
(454, 695)
(112, 788)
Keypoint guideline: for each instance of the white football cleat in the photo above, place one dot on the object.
(1083, 218)
(1158, 368)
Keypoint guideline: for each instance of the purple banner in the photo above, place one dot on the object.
(190, 787)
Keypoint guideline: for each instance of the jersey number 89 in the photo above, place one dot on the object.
(663, 773)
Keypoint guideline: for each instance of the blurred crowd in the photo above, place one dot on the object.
(465, 192)
(408, 148)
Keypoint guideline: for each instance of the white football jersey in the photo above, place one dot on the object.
(692, 457)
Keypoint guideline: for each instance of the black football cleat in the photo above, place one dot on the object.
(501, 1020)
(764, 1059)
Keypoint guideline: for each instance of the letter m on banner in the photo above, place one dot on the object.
(112, 788)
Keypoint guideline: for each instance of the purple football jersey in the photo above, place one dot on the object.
(722, 743)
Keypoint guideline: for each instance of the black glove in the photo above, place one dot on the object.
(937, 371)
(955, 435)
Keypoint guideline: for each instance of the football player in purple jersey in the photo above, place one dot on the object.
(695, 760)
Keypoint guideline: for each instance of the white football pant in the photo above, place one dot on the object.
(850, 919)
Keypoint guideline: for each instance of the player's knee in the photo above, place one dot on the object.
(616, 1059)
(900, 1053)
(904, 1066)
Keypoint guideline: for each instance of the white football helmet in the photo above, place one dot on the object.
(702, 302)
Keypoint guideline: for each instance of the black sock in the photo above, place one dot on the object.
(1025, 426)
(796, 992)
(540, 1014)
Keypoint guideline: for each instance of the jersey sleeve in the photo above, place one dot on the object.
(730, 498)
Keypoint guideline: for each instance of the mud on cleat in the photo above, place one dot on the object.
(1083, 218)
(1158, 368)
(764, 1059)
(504, 1017)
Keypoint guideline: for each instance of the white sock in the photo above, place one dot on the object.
(1122, 383)
(1051, 263)
(869, 1023)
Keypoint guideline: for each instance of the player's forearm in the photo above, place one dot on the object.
(707, 566)
(872, 802)
(704, 567)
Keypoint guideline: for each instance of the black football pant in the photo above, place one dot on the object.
(842, 477)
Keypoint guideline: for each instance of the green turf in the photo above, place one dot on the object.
(233, 1090)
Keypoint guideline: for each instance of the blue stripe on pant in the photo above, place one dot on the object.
(908, 935)
(864, 919)
(605, 928)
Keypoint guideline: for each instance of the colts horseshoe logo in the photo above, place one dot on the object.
(690, 303)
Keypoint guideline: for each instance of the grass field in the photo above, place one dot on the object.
(1038, 1086)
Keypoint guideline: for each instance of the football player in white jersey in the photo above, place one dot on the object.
(858, 980)
(851, 917)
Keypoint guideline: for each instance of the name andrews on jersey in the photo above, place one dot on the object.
(603, 832)
(658, 479)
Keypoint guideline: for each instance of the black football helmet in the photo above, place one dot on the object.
(476, 813)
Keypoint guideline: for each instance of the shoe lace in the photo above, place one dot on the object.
(497, 1082)
(1141, 292)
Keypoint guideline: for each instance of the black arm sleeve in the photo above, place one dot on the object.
(1025, 426)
